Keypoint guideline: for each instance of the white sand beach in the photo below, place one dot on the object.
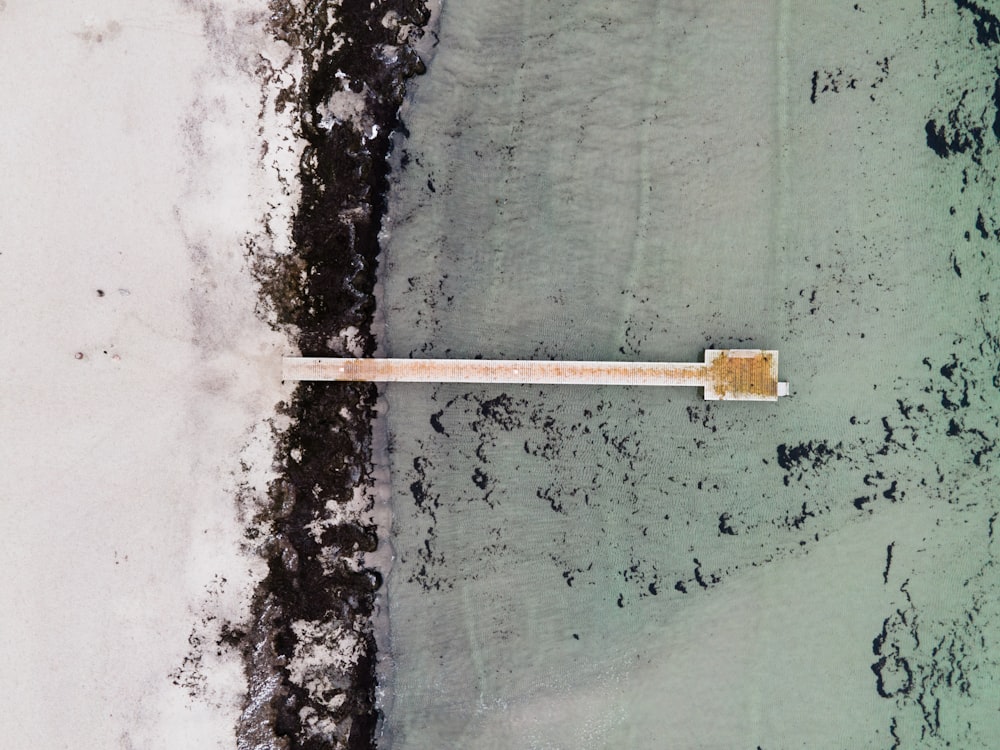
(138, 378)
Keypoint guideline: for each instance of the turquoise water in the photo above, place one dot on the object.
(588, 567)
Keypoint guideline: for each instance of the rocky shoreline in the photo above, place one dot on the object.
(310, 647)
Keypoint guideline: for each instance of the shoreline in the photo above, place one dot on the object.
(312, 648)
(384, 557)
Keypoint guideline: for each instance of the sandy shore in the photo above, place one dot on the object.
(191, 193)
(138, 377)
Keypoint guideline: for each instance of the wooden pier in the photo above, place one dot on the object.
(726, 374)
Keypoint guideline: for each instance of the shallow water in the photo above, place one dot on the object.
(588, 567)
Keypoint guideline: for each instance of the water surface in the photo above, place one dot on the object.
(588, 567)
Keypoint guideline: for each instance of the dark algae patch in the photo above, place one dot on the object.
(317, 598)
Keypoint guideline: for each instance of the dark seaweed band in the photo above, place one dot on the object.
(325, 287)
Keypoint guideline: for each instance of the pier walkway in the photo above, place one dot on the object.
(726, 374)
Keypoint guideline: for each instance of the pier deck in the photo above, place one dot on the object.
(726, 374)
